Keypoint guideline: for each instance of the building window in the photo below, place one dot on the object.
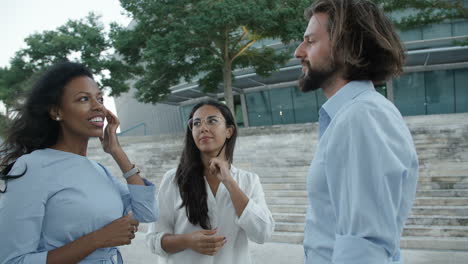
(439, 92)
(282, 107)
(409, 94)
(305, 106)
(433, 92)
(461, 90)
(259, 108)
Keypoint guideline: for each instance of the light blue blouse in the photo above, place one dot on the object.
(362, 180)
(62, 197)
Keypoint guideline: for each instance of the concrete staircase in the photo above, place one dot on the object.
(281, 155)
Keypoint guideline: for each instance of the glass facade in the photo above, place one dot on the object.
(461, 90)
(417, 93)
(435, 31)
(433, 92)
(283, 106)
(414, 93)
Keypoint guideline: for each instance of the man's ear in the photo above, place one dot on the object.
(54, 112)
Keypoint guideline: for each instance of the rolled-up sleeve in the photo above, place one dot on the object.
(140, 199)
(165, 223)
(256, 219)
(22, 210)
(365, 181)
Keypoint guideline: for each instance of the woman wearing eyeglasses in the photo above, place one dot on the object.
(209, 209)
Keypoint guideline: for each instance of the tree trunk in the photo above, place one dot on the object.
(227, 78)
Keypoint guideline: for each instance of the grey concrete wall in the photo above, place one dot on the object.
(159, 118)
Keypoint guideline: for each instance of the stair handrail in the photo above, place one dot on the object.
(134, 127)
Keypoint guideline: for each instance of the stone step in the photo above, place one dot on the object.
(447, 164)
(444, 144)
(436, 231)
(442, 197)
(288, 237)
(437, 243)
(406, 242)
(289, 227)
(279, 174)
(442, 186)
(293, 209)
(281, 193)
(445, 179)
(431, 172)
(449, 201)
(283, 186)
(443, 193)
(289, 217)
(287, 200)
(441, 220)
(440, 210)
(409, 230)
(295, 180)
(295, 161)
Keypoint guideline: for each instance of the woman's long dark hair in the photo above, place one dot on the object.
(189, 174)
(33, 128)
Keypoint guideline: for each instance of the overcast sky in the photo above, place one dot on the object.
(21, 18)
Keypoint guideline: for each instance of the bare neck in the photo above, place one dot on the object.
(77, 146)
(331, 87)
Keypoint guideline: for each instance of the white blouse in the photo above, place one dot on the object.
(256, 222)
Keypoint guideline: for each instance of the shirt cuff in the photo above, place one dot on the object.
(256, 223)
(143, 201)
(154, 242)
(358, 250)
(39, 257)
(142, 192)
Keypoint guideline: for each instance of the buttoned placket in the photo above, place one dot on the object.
(324, 121)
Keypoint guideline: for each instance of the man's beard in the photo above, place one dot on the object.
(315, 79)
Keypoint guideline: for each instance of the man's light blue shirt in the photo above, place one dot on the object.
(362, 181)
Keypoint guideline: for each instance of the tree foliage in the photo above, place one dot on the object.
(82, 41)
(424, 12)
(204, 41)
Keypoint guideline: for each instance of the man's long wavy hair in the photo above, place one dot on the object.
(363, 40)
(189, 174)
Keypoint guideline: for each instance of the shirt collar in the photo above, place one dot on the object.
(344, 95)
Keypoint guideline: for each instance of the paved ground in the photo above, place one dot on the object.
(280, 253)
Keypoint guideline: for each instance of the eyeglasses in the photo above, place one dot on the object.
(211, 121)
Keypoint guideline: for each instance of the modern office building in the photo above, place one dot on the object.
(435, 82)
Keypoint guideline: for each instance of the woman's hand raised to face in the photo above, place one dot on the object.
(110, 142)
(220, 169)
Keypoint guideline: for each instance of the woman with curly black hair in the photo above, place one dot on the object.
(58, 206)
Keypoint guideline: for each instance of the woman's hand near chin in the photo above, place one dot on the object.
(221, 169)
(109, 140)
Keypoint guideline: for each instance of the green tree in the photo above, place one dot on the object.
(425, 12)
(204, 40)
(82, 41)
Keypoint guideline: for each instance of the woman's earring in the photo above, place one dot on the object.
(57, 118)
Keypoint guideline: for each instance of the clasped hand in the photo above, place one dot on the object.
(205, 242)
(119, 232)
